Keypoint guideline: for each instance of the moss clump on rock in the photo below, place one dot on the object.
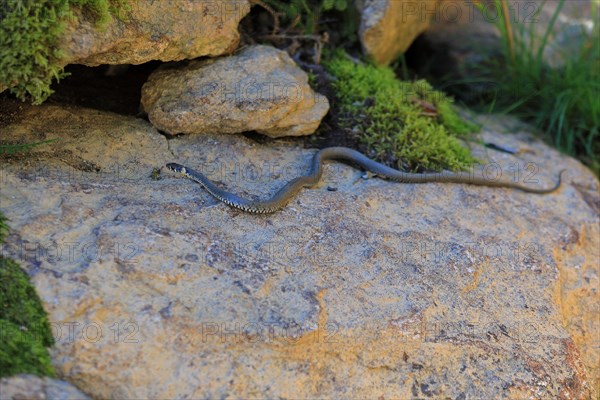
(22, 353)
(20, 304)
(29, 59)
(24, 328)
(406, 122)
(103, 10)
(3, 228)
(29, 33)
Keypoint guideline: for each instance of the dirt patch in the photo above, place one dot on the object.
(10, 109)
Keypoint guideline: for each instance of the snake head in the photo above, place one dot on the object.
(175, 167)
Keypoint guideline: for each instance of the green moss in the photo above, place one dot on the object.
(14, 148)
(103, 10)
(24, 329)
(3, 228)
(20, 304)
(30, 30)
(452, 121)
(22, 353)
(404, 121)
(28, 58)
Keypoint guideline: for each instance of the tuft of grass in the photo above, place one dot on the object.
(24, 328)
(407, 122)
(29, 58)
(563, 102)
(3, 228)
(21, 147)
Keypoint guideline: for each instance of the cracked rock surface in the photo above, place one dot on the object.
(376, 289)
(38, 388)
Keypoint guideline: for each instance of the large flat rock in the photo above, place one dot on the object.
(374, 290)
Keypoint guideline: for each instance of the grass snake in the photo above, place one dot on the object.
(348, 156)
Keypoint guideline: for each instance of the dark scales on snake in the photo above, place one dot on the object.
(348, 156)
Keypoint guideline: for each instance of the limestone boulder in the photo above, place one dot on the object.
(388, 27)
(153, 30)
(260, 88)
(360, 288)
(156, 30)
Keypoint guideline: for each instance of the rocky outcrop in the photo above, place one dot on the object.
(358, 289)
(156, 30)
(388, 27)
(260, 88)
(38, 388)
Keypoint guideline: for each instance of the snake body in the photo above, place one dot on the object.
(349, 156)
